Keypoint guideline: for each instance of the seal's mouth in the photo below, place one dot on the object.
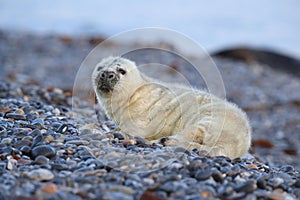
(105, 88)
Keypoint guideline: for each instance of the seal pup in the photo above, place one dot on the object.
(169, 114)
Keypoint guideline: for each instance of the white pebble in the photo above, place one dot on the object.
(40, 175)
(6, 140)
(11, 163)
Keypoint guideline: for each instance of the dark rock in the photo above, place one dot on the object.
(44, 150)
(203, 174)
(119, 136)
(140, 142)
(246, 187)
(262, 182)
(234, 170)
(21, 143)
(287, 168)
(56, 125)
(225, 190)
(297, 183)
(172, 186)
(26, 150)
(217, 176)
(15, 116)
(63, 128)
(35, 132)
(59, 166)
(38, 139)
(275, 60)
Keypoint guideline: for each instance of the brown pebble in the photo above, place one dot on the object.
(16, 157)
(148, 195)
(173, 67)
(252, 166)
(203, 153)
(262, 143)
(66, 40)
(95, 40)
(154, 176)
(206, 194)
(83, 194)
(49, 188)
(49, 138)
(5, 110)
(128, 142)
(68, 93)
(291, 151)
(19, 111)
(108, 135)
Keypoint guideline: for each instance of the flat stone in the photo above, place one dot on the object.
(40, 175)
(78, 142)
(16, 116)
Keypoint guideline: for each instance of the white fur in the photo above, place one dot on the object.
(192, 118)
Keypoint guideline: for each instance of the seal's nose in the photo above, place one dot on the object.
(107, 75)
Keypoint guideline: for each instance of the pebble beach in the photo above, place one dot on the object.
(49, 150)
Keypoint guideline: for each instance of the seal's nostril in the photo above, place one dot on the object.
(111, 76)
(107, 75)
(103, 75)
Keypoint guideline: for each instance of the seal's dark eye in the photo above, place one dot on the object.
(98, 69)
(122, 71)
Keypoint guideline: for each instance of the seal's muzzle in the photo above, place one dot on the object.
(107, 81)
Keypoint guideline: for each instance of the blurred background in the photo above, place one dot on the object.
(214, 24)
(255, 45)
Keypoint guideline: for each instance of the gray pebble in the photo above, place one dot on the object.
(276, 182)
(41, 160)
(45, 150)
(35, 132)
(59, 166)
(287, 168)
(246, 187)
(78, 142)
(82, 157)
(38, 139)
(6, 141)
(203, 174)
(92, 136)
(15, 116)
(19, 144)
(172, 186)
(56, 125)
(31, 116)
(38, 123)
(225, 190)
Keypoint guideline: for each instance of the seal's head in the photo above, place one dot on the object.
(110, 72)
